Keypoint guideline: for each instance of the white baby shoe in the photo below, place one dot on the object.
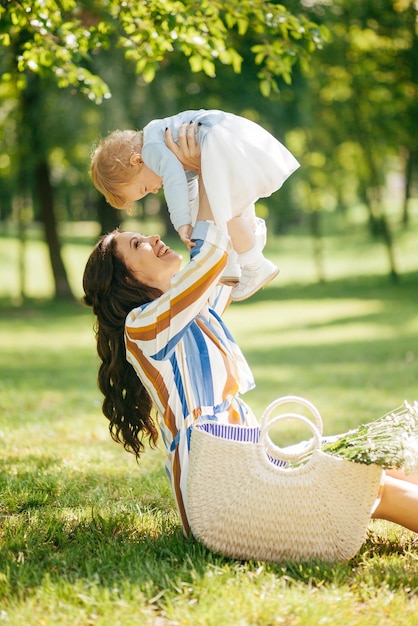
(254, 279)
(232, 272)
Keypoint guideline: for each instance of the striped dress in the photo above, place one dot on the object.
(187, 359)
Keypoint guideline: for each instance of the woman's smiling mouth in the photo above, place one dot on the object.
(162, 251)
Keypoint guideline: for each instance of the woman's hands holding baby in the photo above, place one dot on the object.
(188, 150)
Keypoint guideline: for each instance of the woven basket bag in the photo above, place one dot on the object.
(243, 503)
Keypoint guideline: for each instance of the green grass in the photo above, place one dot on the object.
(88, 537)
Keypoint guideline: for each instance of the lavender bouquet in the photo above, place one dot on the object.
(390, 441)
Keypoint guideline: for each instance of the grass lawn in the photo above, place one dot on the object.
(88, 537)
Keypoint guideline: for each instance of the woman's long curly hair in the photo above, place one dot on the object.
(113, 291)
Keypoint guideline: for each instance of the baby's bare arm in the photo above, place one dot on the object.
(185, 233)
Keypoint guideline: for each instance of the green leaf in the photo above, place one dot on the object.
(60, 36)
(265, 88)
(209, 68)
(5, 39)
(242, 26)
(236, 60)
(149, 73)
(196, 63)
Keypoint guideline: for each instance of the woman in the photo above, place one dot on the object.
(163, 344)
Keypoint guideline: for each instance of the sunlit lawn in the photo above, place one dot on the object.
(89, 537)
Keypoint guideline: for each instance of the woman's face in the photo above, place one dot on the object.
(148, 258)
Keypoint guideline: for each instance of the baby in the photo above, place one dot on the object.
(240, 163)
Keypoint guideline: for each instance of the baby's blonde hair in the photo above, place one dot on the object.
(111, 167)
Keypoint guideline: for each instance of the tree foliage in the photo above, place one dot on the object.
(346, 109)
(61, 37)
(358, 108)
(64, 40)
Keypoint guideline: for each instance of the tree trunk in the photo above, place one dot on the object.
(170, 231)
(108, 217)
(46, 202)
(20, 215)
(371, 188)
(388, 239)
(383, 228)
(34, 165)
(409, 169)
(318, 249)
(373, 219)
(376, 205)
(21, 261)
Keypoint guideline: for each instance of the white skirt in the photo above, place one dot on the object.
(242, 162)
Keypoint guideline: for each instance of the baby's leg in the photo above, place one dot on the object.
(256, 224)
(242, 234)
(256, 270)
(243, 239)
(249, 215)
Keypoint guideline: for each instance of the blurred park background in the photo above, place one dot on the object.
(335, 81)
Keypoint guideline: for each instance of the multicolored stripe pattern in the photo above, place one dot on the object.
(187, 359)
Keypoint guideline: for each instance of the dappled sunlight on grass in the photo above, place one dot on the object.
(290, 322)
(84, 525)
(350, 346)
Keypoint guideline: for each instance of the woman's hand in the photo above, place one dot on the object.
(188, 152)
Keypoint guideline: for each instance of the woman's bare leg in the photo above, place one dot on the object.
(399, 502)
(410, 478)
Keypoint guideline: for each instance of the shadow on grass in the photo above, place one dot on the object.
(364, 287)
(139, 544)
(367, 287)
(87, 527)
(344, 352)
(42, 309)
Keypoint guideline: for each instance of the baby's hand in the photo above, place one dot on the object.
(184, 234)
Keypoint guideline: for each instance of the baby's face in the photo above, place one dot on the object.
(146, 181)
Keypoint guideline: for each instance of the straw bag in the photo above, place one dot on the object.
(243, 502)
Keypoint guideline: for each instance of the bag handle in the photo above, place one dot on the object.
(292, 453)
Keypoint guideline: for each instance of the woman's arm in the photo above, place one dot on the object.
(157, 326)
(188, 153)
